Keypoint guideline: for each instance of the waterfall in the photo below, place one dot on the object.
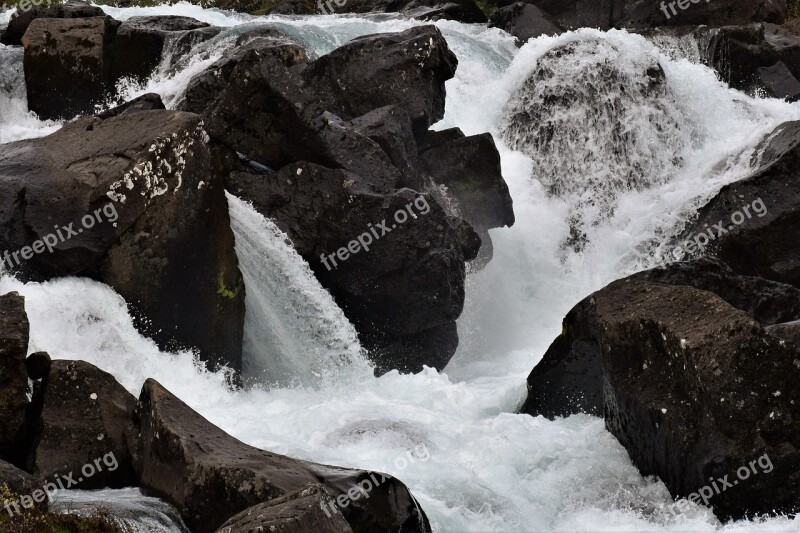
(644, 126)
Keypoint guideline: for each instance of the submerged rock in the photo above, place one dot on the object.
(133, 201)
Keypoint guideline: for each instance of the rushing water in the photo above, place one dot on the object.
(651, 158)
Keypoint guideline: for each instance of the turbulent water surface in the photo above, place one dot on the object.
(650, 152)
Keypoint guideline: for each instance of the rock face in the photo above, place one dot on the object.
(693, 387)
(85, 419)
(344, 133)
(569, 379)
(67, 65)
(18, 481)
(140, 207)
(755, 221)
(210, 476)
(20, 21)
(14, 329)
(638, 14)
(524, 21)
(304, 509)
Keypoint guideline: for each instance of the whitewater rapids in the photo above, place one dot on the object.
(489, 469)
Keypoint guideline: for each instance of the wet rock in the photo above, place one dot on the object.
(210, 477)
(38, 365)
(789, 331)
(466, 11)
(305, 509)
(139, 207)
(20, 21)
(406, 281)
(141, 41)
(14, 330)
(146, 102)
(67, 65)
(524, 21)
(754, 222)
(85, 428)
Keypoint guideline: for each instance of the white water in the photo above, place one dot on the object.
(489, 470)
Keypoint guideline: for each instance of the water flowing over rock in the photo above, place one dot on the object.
(141, 208)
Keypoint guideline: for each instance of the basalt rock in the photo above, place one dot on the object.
(18, 481)
(68, 65)
(135, 202)
(85, 419)
(20, 21)
(466, 11)
(756, 221)
(210, 477)
(14, 330)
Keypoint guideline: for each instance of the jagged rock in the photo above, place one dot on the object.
(210, 476)
(20, 21)
(410, 281)
(140, 207)
(524, 21)
(85, 428)
(305, 509)
(569, 379)
(789, 331)
(67, 65)
(38, 365)
(14, 330)
(140, 42)
(756, 221)
(146, 102)
(407, 69)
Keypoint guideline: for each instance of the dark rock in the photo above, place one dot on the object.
(524, 21)
(759, 216)
(67, 65)
(789, 331)
(210, 477)
(638, 14)
(20, 21)
(146, 102)
(696, 390)
(779, 82)
(432, 347)
(149, 218)
(14, 330)
(18, 481)
(140, 43)
(470, 169)
(768, 302)
(305, 509)
(411, 281)
(85, 420)
(569, 379)
(38, 365)
(406, 69)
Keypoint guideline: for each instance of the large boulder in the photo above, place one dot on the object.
(20, 20)
(408, 277)
(17, 481)
(695, 389)
(68, 65)
(305, 509)
(754, 224)
(84, 427)
(569, 379)
(210, 477)
(14, 330)
(139, 206)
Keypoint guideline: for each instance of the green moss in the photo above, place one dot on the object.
(487, 7)
(224, 291)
